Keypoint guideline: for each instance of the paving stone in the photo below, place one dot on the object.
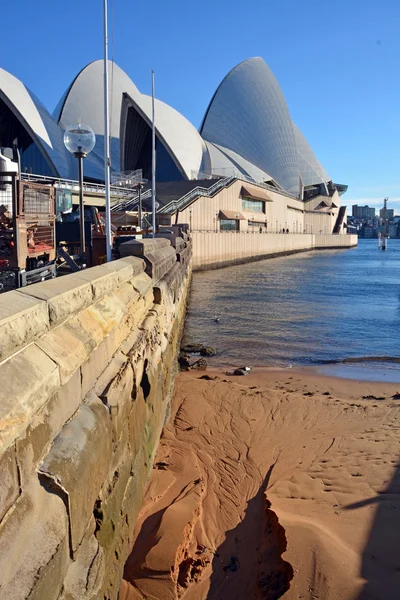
(28, 380)
(22, 320)
(65, 296)
(104, 279)
(141, 247)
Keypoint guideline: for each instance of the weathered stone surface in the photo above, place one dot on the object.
(104, 279)
(108, 312)
(64, 296)
(159, 261)
(134, 343)
(28, 379)
(142, 247)
(50, 578)
(9, 483)
(22, 319)
(46, 424)
(85, 575)
(119, 396)
(33, 546)
(92, 459)
(173, 279)
(109, 373)
(137, 421)
(142, 284)
(77, 463)
(68, 345)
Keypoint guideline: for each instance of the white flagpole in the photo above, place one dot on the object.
(153, 158)
(107, 160)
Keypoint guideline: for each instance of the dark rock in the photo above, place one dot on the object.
(208, 351)
(184, 361)
(208, 377)
(190, 348)
(199, 364)
(240, 372)
(162, 466)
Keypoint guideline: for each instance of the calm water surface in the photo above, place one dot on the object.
(306, 309)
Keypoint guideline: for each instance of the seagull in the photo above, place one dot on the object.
(216, 319)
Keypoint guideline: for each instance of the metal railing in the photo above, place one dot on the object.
(225, 172)
(185, 200)
(94, 188)
(131, 202)
(188, 198)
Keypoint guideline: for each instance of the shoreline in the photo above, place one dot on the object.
(282, 483)
(363, 369)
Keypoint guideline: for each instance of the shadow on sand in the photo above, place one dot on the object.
(249, 564)
(380, 565)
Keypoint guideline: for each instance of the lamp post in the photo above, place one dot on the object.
(79, 139)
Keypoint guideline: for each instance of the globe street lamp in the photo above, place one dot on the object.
(79, 139)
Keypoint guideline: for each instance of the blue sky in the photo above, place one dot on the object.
(337, 63)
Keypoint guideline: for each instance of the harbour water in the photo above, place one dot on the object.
(321, 308)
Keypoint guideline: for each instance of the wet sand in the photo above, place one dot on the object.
(277, 484)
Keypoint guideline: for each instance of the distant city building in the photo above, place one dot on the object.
(389, 213)
(393, 230)
(369, 231)
(363, 212)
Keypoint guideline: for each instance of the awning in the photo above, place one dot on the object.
(229, 215)
(255, 193)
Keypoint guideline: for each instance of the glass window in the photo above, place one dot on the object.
(229, 225)
(253, 205)
(256, 223)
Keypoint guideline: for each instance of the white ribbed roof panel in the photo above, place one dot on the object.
(311, 170)
(245, 166)
(248, 115)
(37, 121)
(85, 98)
(178, 135)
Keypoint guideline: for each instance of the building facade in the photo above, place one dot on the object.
(247, 135)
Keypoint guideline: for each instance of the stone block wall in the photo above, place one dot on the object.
(87, 364)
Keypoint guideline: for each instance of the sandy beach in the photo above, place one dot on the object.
(277, 484)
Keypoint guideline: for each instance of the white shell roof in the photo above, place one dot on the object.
(311, 170)
(178, 135)
(36, 120)
(84, 100)
(246, 167)
(248, 115)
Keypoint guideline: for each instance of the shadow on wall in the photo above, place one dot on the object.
(381, 556)
(249, 563)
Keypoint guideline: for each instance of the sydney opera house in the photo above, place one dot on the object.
(248, 166)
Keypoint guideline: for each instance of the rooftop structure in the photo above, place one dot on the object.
(247, 131)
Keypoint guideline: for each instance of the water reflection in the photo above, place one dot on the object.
(300, 309)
